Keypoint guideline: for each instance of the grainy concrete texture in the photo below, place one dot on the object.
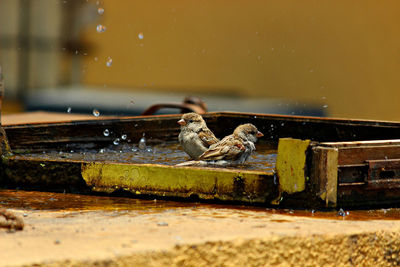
(197, 236)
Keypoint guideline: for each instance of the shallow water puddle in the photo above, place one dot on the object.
(263, 159)
(33, 200)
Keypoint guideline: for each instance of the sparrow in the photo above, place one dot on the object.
(195, 137)
(232, 150)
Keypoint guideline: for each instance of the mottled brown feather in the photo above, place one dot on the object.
(228, 149)
(207, 137)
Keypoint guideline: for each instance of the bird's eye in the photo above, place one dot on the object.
(190, 121)
(253, 132)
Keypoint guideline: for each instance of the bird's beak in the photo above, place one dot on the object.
(259, 134)
(182, 122)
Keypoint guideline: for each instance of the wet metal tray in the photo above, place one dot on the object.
(300, 161)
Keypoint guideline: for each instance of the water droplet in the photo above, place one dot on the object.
(106, 132)
(100, 10)
(140, 36)
(116, 141)
(96, 113)
(69, 109)
(282, 124)
(149, 149)
(100, 28)
(142, 143)
(109, 62)
(101, 151)
(325, 106)
(135, 149)
(124, 136)
(341, 213)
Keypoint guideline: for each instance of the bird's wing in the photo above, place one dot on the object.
(227, 149)
(207, 137)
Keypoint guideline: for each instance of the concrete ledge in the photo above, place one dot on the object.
(197, 236)
(368, 249)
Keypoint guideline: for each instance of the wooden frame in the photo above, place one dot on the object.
(344, 162)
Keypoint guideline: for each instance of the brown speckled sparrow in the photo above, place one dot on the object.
(195, 137)
(234, 149)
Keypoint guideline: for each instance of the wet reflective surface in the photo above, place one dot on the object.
(33, 200)
(263, 159)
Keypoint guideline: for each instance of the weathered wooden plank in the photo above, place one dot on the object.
(324, 174)
(291, 164)
(150, 179)
(392, 142)
(164, 127)
(171, 181)
(359, 155)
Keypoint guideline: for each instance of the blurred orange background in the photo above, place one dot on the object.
(340, 55)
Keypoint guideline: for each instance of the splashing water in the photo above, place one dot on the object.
(124, 136)
(101, 28)
(109, 62)
(96, 113)
(142, 143)
(69, 110)
(106, 132)
(116, 141)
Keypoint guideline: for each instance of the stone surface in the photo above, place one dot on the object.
(196, 236)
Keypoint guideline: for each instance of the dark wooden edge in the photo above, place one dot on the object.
(165, 127)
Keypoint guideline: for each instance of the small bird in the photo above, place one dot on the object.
(195, 137)
(233, 149)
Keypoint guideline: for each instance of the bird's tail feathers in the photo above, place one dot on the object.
(203, 163)
(192, 163)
